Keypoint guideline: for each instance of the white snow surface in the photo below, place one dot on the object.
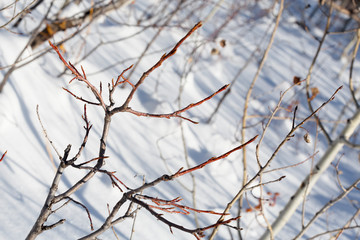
(140, 147)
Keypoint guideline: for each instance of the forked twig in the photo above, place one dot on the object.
(80, 77)
(155, 66)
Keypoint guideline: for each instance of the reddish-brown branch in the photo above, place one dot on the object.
(132, 196)
(211, 160)
(198, 232)
(181, 172)
(80, 98)
(80, 77)
(86, 209)
(3, 156)
(178, 112)
(112, 177)
(174, 203)
(121, 76)
(155, 66)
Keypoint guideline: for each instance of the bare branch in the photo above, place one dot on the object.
(3, 156)
(81, 78)
(61, 221)
(86, 209)
(198, 231)
(327, 206)
(269, 161)
(309, 98)
(155, 66)
(178, 112)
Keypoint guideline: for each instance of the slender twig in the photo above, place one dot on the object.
(18, 14)
(292, 165)
(80, 77)
(269, 161)
(178, 112)
(347, 224)
(45, 132)
(198, 231)
(352, 91)
(86, 209)
(3, 156)
(156, 35)
(326, 207)
(30, 41)
(265, 183)
(174, 203)
(246, 105)
(334, 231)
(48, 227)
(80, 98)
(164, 178)
(211, 160)
(135, 215)
(87, 128)
(150, 70)
(309, 98)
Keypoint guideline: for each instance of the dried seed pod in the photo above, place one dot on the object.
(215, 51)
(222, 43)
(307, 138)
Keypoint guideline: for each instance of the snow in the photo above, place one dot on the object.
(147, 148)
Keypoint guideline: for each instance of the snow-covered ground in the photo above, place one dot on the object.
(146, 148)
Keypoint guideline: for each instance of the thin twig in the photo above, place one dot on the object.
(309, 98)
(246, 105)
(3, 156)
(155, 66)
(86, 209)
(269, 161)
(80, 77)
(178, 112)
(352, 91)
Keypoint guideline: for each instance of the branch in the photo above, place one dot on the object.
(307, 184)
(178, 112)
(174, 203)
(80, 98)
(155, 66)
(87, 128)
(45, 132)
(195, 232)
(61, 221)
(86, 209)
(129, 196)
(327, 206)
(211, 160)
(80, 77)
(2, 157)
(352, 91)
(26, 9)
(309, 98)
(269, 161)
